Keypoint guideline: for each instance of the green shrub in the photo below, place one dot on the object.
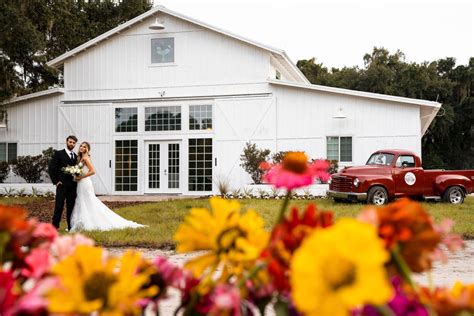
(333, 166)
(29, 168)
(47, 155)
(4, 170)
(278, 157)
(251, 159)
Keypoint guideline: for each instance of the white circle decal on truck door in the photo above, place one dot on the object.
(410, 178)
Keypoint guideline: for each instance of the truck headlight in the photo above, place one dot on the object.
(356, 182)
(330, 180)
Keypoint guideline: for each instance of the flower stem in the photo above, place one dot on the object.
(251, 274)
(281, 214)
(384, 310)
(402, 266)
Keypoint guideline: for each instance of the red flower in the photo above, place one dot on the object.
(287, 237)
(7, 297)
(295, 172)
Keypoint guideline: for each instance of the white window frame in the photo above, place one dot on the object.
(127, 106)
(211, 104)
(339, 148)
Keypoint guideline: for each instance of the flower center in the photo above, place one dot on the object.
(227, 239)
(97, 286)
(340, 273)
(296, 162)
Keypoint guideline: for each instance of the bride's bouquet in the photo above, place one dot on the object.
(73, 170)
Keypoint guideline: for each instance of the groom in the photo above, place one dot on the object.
(65, 184)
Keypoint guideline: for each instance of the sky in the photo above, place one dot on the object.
(339, 33)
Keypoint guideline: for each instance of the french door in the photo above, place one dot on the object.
(163, 167)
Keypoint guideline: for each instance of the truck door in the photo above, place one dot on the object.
(407, 177)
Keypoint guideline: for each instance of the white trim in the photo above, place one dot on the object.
(35, 95)
(430, 118)
(58, 61)
(355, 93)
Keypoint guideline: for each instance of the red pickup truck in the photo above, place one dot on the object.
(395, 173)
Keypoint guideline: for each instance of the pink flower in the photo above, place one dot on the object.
(38, 262)
(226, 300)
(45, 231)
(171, 274)
(7, 297)
(33, 302)
(295, 172)
(65, 246)
(453, 242)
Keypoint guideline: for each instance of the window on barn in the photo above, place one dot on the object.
(162, 50)
(126, 120)
(200, 164)
(8, 152)
(163, 118)
(339, 148)
(200, 117)
(126, 165)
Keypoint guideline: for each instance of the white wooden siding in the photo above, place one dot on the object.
(32, 124)
(120, 66)
(297, 119)
(91, 123)
(306, 117)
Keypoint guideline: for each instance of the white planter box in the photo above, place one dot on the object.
(314, 189)
(27, 187)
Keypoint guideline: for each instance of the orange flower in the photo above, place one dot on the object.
(407, 224)
(287, 237)
(11, 218)
(447, 302)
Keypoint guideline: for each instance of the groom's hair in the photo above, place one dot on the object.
(74, 138)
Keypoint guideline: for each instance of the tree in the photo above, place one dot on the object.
(35, 31)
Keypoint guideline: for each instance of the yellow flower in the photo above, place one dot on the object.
(339, 268)
(233, 241)
(89, 282)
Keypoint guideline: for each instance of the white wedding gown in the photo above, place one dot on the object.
(90, 213)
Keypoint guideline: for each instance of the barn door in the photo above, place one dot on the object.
(91, 123)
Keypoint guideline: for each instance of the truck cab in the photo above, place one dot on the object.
(395, 173)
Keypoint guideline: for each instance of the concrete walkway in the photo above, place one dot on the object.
(145, 198)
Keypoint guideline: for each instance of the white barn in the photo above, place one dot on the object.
(170, 110)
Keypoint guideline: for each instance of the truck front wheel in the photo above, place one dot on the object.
(377, 195)
(454, 195)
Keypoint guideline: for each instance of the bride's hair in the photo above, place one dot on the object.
(79, 154)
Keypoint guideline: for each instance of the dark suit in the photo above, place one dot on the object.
(66, 191)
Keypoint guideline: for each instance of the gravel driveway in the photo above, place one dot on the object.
(460, 266)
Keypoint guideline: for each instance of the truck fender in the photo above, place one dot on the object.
(387, 184)
(445, 181)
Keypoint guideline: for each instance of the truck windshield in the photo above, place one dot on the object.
(380, 159)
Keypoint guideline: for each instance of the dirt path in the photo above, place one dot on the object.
(460, 267)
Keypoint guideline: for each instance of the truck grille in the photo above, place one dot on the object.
(341, 184)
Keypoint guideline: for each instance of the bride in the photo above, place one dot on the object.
(89, 212)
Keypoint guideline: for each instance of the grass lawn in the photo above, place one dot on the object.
(163, 218)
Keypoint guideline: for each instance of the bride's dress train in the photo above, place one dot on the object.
(90, 213)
